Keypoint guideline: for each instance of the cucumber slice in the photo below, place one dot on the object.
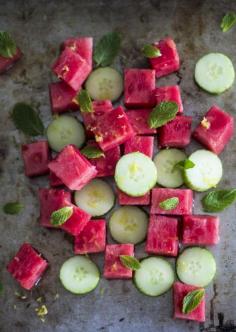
(155, 276)
(64, 130)
(196, 266)
(79, 275)
(128, 224)
(214, 73)
(104, 83)
(96, 198)
(135, 174)
(206, 173)
(165, 161)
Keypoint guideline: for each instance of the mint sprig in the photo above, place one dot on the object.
(7, 45)
(12, 208)
(169, 203)
(192, 300)
(59, 217)
(218, 200)
(130, 262)
(162, 114)
(107, 49)
(184, 164)
(92, 152)
(228, 21)
(85, 102)
(151, 51)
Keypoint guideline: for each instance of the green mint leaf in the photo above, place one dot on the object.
(151, 51)
(1, 288)
(27, 120)
(184, 164)
(12, 208)
(130, 262)
(107, 49)
(7, 45)
(162, 113)
(85, 102)
(228, 21)
(169, 203)
(92, 152)
(218, 200)
(192, 300)
(59, 217)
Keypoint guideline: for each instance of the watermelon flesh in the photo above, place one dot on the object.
(72, 168)
(113, 268)
(125, 199)
(92, 239)
(62, 98)
(27, 266)
(220, 130)
(138, 88)
(139, 121)
(200, 230)
(143, 144)
(7, 63)
(161, 194)
(176, 133)
(169, 93)
(180, 291)
(36, 158)
(162, 236)
(54, 181)
(169, 61)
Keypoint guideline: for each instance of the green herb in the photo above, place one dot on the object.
(162, 113)
(151, 51)
(12, 207)
(1, 288)
(85, 102)
(7, 45)
(27, 120)
(107, 49)
(169, 203)
(92, 152)
(228, 21)
(192, 300)
(59, 217)
(130, 262)
(218, 200)
(184, 164)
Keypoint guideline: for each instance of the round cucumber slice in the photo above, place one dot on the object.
(155, 276)
(96, 198)
(196, 266)
(165, 160)
(206, 173)
(135, 174)
(79, 275)
(64, 130)
(214, 73)
(104, 83)
(128, 224)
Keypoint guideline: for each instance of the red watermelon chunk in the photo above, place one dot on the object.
(72, 168)
(7, 63)
(54, 181)
(62, 97)
(169, 61)
(200, 230)
(176, 133)
(139, 121)
(138, 86)
(36, 158)
(71, 68)
(113, 268)
(161, 194)
(143, 144)
(169, 93)
(180, 291)
(125, 199)
(27, 266)
(215, 130)
(92, 239)
(162, 237)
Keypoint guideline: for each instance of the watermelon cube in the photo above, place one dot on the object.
(92, 239)
(139, 121)
(143, 144)
(200, 230)
(54, 181)
(7, 63)
(138, 88)
(27, 266)
(62, 97)
(72, 168)
(169, 61)
(36, 158)
(185, 197)
(215, 130)
(180, 291)
(169, 93)
(176, 133)
(113, 268)
(71, 68)
(125, 199)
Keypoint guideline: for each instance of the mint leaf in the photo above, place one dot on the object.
(218, 200)
(27, 120)
(7, 45)
(130, 262)
(107, 49)
(12, 207)
(59, 217)
(184, 164)
(85, 102)
(92, 152)
(151, 51)
(192, 300)
(162, 114)
(228, 21)
(169, 203)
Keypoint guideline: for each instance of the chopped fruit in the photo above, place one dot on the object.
(54, 180)
(139, 121)
(143, 144)
(125, 199)
(169, 93)
(62, 97)
(7, 63)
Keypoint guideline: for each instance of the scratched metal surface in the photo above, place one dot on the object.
(39, 27)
